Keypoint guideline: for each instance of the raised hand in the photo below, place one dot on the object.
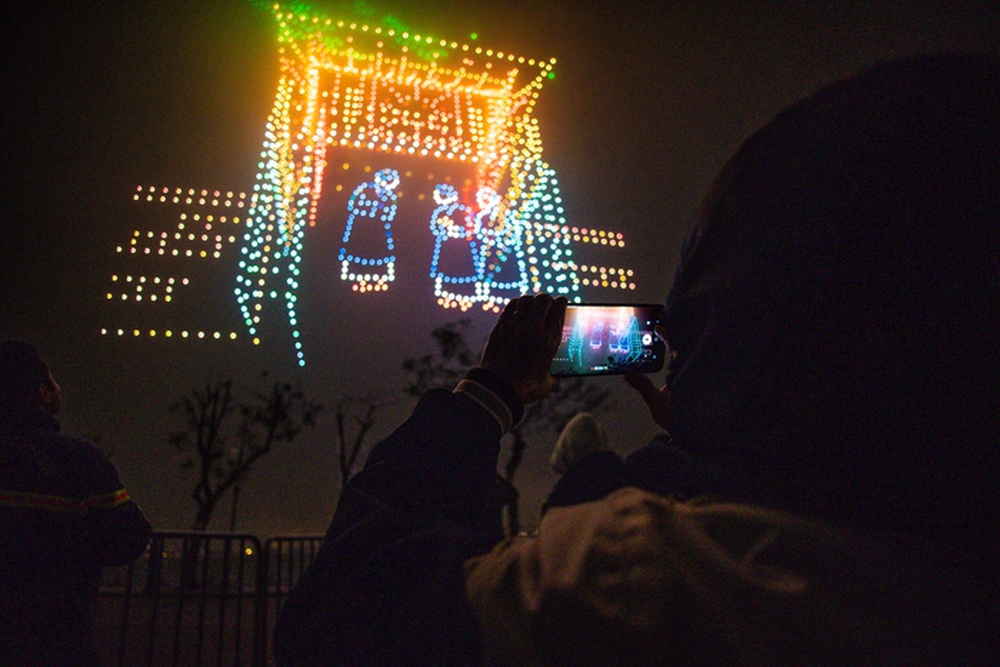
(523, 341)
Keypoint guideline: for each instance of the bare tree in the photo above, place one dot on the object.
(355, 416)
(445, 366)
(225, 436)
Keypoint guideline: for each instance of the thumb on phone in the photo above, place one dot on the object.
(656, 399)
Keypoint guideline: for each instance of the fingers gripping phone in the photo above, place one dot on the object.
(609, 339)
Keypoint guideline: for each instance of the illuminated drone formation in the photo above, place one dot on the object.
(377, 201)
(206, 223)
(348, 89)
(617, 336)
(351, 86)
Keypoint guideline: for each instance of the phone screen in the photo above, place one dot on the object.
(609, 340)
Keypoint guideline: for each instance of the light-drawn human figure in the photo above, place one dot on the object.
(487, 204)
(368, 257)
(502, 237)
(456, 265)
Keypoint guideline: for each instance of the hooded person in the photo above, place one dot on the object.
(828, 491)
(834, 316)
(832, 408)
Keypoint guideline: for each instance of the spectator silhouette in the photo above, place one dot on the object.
(64, 515)
(828, 488)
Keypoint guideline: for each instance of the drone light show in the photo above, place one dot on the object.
(391, 142)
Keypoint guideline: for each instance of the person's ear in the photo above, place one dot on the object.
(49, 397)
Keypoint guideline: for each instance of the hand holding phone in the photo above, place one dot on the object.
(522, 343)
(609, 339)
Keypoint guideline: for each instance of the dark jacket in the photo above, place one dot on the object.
(833, 325)
(387, 587)
(64, 515)
(833, 319)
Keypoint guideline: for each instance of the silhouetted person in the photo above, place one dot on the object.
(827, 491)
(64, 515)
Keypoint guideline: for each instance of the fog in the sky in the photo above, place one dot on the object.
(103, 97)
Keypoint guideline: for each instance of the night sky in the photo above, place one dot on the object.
(649, 100)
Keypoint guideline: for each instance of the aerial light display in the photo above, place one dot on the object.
(600, 338)
(372, 204)
(449, 146)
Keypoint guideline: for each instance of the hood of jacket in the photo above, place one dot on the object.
(835, 313)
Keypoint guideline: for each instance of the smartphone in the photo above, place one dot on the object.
(609, 339)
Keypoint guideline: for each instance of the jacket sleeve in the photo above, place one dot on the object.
(641, 579)
(66, 498)
(116, 530)
(440, 465)
(387, 586)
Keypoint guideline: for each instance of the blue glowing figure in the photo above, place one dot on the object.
(456, 262)
(368, 257)
(501, 233)
(598, 343)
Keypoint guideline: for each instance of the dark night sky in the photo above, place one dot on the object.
(100, 96)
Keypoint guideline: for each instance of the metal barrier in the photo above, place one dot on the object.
(286, 558)
(198, 599)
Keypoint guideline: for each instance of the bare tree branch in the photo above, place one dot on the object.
(355, 417)
(265, 420)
